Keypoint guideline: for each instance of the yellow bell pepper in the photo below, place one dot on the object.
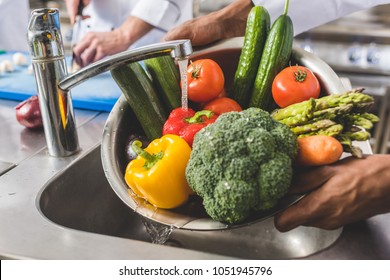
(158, 172)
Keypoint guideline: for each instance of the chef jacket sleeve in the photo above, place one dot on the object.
(306, 15)
(162, 14)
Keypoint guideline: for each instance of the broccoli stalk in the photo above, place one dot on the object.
(241, 163)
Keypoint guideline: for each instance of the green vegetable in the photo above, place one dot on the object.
(303, 111)
(354, 97)
(364, 120)
(333, 130)
(275, 57)
(241, 163)
(142, 98)
(312, 127)
(257, 28)
(166, 78)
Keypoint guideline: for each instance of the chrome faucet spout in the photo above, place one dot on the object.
(54, 83)
(180, 49)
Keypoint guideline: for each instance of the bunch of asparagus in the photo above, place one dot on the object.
(344, 116)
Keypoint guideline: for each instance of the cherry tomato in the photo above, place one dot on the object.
(205, 80)
(222, 105)
(294, 84)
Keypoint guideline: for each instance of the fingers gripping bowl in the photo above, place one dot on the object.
(122, 122)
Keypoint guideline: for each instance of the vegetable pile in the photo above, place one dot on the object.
(241, 163)
(236, 149)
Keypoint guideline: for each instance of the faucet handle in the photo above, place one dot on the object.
(44, 34)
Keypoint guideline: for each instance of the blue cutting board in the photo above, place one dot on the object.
(98, 93)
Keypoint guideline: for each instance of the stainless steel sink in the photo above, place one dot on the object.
(81, 198)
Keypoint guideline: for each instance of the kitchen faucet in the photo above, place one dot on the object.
(53, 82)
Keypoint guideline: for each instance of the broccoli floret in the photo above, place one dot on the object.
(271, 182)
(241, 163)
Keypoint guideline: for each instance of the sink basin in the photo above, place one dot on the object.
(81, 198)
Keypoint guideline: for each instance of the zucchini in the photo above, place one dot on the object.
(257, 28)
(138, 89)
(166, 77)
(275, 57)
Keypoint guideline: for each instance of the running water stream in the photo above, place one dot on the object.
(183, 76)
(160, 233)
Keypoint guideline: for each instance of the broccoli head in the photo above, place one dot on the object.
(241, 163)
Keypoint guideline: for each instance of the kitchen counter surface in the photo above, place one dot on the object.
(27, 234)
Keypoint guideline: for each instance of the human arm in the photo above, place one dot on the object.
(225, 23)
(96, 45)
(142, 17)
(339, 194)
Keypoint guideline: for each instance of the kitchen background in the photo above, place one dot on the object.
(357, 47)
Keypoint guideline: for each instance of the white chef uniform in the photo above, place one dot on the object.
(14, 16)
(163, 14)
(309, 14)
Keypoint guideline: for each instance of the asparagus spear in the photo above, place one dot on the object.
(333, 130)
(348, 147)
(342, 109)
(312, 127)
(304, 109)
(329, 113)
(365, 120)
(354, 97)
(361, 135)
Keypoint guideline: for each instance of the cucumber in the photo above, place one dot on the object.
(275, 57)
(166, 77)
(257, 28)
(138, 89)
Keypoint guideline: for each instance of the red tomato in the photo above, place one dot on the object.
(205, 80)
(294, 84)
(222, 105)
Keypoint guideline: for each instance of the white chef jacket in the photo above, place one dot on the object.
(309, 14)
(163, 14)
(14, 15)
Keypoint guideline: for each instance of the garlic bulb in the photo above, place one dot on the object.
(6, 66)
(19, 59)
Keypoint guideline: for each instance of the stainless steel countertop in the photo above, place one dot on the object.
(26, 234)
(18, 143)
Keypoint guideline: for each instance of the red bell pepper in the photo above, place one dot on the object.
(186, 123)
